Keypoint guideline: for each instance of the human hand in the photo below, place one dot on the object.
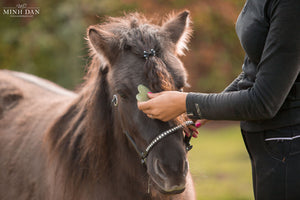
(165, 105)
(192, 129)
(200, 122)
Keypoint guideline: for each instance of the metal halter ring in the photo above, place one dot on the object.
(147, 54)
(115, 100)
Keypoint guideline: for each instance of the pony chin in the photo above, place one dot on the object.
(158, 191)
(167, 190)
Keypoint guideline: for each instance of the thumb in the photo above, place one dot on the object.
(153, 95)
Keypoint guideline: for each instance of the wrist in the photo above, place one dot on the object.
(182, 101)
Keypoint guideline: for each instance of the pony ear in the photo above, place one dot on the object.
(102, 42)
(178, 28)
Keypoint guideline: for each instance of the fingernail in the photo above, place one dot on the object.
(195, 131)
(195, 136)
(198, 124)
(149, 92)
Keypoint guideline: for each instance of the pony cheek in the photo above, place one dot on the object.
(123, 118)
(152, 170)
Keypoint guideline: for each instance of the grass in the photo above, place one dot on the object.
(220, 165)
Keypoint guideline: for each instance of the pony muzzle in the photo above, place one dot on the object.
(170, 179)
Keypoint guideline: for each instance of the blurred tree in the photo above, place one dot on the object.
(52, 44)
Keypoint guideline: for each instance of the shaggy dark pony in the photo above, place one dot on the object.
(60, 145)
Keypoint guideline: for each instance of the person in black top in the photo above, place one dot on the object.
(265, 97)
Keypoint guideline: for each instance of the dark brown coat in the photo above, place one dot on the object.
(56, 144)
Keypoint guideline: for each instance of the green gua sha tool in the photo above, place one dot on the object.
(142, 95)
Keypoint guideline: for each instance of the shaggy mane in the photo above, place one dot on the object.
(75, 139)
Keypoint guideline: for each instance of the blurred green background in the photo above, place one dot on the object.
(219, 163)
(52, 45)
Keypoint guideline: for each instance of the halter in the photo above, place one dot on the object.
(144, 154)
(147, 54)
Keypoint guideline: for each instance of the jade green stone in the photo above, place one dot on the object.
(142, 95)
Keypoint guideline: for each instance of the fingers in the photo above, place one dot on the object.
(153, 95)
(146, 105)
(150, 116)
(194, 131)
(164, 106)
(191, 131)
(143, 106)
(198, 123)
(201, 122)
(186, 131)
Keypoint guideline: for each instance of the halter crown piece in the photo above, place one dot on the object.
(147, 54)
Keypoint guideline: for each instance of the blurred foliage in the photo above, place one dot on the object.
(52, 44)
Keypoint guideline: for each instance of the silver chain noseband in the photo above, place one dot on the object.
(143, 154)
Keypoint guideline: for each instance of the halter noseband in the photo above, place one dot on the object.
(144, 154)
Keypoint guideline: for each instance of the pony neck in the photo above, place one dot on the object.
(90, 150)
(120, 163)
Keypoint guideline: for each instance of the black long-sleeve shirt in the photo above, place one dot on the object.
(266, 94)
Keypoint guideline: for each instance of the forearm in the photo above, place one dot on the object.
(234, 85)
(278, 69)
(238, 105)
(260, 102)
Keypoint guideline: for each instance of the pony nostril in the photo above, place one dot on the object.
(159, 170)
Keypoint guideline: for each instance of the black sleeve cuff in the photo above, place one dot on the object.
(192, 107)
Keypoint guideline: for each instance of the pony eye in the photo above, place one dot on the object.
(122, 95)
